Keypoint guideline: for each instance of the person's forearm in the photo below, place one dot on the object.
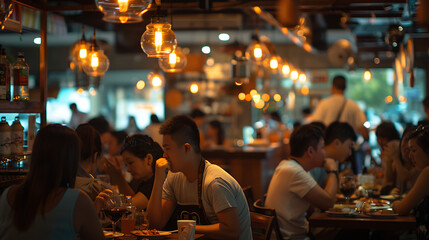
(123, 186)
(219, 231)
(154, 207)
(332, 186)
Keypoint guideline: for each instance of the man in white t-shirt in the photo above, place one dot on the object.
(339, 108)
(194, 188)
(292, 190)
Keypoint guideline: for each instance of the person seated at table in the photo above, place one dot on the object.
(339, 141)
(388, 140)
(45, 205)
(114, 147)
(215, 135)
(194, 188)
(97, 190)
(418, 197)
(406, 173)
(139, 153)
(292, 190)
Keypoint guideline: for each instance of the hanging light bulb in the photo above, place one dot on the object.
(80, 50)
(367, 75)
(96, 63)
(302, 78)
(158, 40)
(5, 10)
(173, 62)
(276, 63)
(286, 69)
(123, 11)
(156, 79)
(257, 51)
(194, 88)
(294, 75)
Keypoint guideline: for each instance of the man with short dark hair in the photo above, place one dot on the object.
(77, 117)
(339, 108)
(194, 188)
(292, 190)
(339, 141)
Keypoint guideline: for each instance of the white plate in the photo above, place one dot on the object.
(161, 235)
(342, 214)
(109, 234)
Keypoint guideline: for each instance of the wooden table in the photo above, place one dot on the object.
(172, 236)
(362, 221)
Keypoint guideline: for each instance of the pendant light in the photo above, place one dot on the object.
(156, 80)
(257, 52)
(173, 62)
(80, 50)
(367, 75)
(96, 63)
(5, 10)
(158, 40)
(123, 11)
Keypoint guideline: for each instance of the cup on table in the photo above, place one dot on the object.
(186, 229)
(141, 220)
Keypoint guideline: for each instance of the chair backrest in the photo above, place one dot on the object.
(262, 226)
(260, 208)
(248, 193)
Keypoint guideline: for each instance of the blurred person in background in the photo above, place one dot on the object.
(388, 140)
(153, 129)
(103, 128)
(139, 153)
(45, 205)
(425, 104)
(199, 118)
(90, 154)
(114, 147)
(132, 126)
(418, 196)
(77, 117)
(215, 135)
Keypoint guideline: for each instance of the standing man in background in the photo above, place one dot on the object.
(77, 117)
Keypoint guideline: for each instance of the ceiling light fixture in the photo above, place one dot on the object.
(206, 50)
(224, 37)
(96, 63)
(123, 11)
(173, 62)
(257, 51)
(80, 49)
(158, 40)
(156, 79)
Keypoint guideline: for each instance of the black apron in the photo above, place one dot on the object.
(190, 212)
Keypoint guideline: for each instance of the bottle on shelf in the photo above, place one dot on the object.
(4, 76)
(127, 221)
(5, 138)
(20, 79)
(17, 146)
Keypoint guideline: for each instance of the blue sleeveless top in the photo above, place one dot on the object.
(56, 224)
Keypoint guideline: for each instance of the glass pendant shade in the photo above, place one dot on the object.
(158, 40)
(80, 51)
(257, 52)
(96, 63)
(173, 62)
(156, 79)
(123, 11)
(5, 10)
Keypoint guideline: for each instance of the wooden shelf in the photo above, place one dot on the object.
(20, 107)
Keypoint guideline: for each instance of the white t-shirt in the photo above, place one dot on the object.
(328, 109)
(289, 185)
(220, 191)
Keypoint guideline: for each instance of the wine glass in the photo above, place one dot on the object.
(347, 186)
(114, 210)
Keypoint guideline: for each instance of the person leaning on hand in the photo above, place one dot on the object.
(194, 188)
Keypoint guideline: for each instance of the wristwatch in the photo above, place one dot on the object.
(333, 171)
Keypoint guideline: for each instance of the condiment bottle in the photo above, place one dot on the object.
(5, 138)
(17, 146)
(20, 79)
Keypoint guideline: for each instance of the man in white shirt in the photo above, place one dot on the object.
(194, 188)
(77, 117)
(292, 190)
(339, 108)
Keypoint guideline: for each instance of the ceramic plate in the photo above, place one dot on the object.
(140, 234)
(109, 234)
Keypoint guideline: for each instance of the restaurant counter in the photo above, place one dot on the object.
(250, 165)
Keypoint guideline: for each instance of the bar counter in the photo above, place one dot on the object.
(249, 165)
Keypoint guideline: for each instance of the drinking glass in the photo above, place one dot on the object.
(347, 186)
(114, 210)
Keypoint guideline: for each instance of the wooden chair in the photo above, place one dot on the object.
(262, 226)
(260, 208)
(248, 193)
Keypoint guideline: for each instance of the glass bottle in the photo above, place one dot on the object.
(5, 138)
(20, 79)
(17, 146)
(127, 221)
(4, 77)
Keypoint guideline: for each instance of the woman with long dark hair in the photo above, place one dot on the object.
(139, 153)
(45, 205)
